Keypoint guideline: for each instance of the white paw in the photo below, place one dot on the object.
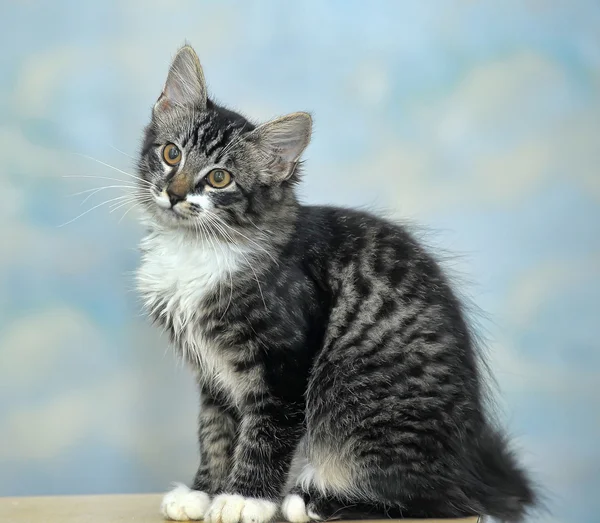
(228, 508)
(183, 504)
(295, 510)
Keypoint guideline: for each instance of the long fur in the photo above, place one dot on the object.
(322, 335)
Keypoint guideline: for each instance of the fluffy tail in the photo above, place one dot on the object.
(484, 478)
(497, 481)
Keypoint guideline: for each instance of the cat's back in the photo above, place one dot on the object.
(371, 267)
(345, 236)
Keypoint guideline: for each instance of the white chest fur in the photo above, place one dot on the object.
(176, 275)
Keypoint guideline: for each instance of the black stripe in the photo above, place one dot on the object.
(227, 136)
(216, 144)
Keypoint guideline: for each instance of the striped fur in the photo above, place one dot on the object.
(319, 335)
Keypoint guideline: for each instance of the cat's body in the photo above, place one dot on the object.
(320, 335)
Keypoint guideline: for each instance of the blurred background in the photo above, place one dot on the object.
(480, 121)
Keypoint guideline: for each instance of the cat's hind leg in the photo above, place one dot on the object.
(328, 492)
(297, 508)
(301, 506)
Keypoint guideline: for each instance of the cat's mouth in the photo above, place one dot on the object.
(177, 213)
(172, 210)
(165, 212)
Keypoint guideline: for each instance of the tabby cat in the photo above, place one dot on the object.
(338, 377)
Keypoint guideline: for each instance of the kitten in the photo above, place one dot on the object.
(337, 375)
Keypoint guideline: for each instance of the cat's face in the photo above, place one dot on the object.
(203, 166)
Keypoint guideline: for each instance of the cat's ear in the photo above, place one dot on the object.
(281, 142)
(185, 86)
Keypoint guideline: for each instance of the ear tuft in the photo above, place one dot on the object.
(185, 85)
(282, 142)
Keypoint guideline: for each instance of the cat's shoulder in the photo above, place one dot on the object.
(344, 220)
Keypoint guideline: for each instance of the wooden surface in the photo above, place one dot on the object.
(101, 509)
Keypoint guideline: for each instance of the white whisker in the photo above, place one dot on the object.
(136, 204)
(215, 221)
(235, 231)
(90, 210)
(209, 237)
(101, 189)
(122, 152)
(139, 179)
(116, 206)
(151, 185)
(111, 166)
(96, 191)
(225, 258)
(130, 199)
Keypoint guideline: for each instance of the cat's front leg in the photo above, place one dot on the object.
(269, 433)
(216, 435)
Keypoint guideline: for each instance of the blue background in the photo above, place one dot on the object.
(480, 121)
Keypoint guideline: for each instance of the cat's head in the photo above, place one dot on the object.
(202, 165)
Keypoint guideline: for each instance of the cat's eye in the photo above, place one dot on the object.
(171, 154)
(218, 178)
